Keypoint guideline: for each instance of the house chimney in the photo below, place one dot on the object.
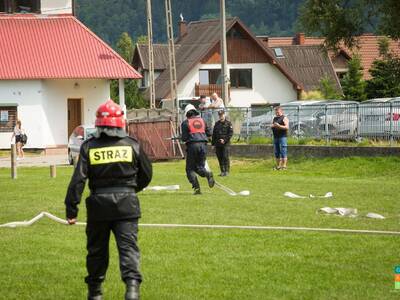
(182, 25)
(299, 38)
(264, 39)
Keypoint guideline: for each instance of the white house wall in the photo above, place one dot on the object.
(269, 85)
(56, 6)
(56, 94)
(187, 84)
(42, 107)
(27, 94)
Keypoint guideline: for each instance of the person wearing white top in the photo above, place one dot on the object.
(217, 104)
(18, 131)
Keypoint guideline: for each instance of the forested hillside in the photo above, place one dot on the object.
(109, 19)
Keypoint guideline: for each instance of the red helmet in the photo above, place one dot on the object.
(110, 114)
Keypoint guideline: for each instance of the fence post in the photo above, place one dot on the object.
(298, 123)
(391, 124)
(326, 126)
(247, 125)
(53, 171)
(13, 161)
(358, 123)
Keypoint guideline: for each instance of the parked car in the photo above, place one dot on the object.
(341, 119)
(78, 136)
(379, 117)
(307, 119)
(258, 125)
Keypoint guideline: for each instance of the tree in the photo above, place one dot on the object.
(311, 95)
(328, 89)
(133, 97)
(352, 83)
(142, 39)
(385, 81)
(125, 47)
(344, 20)
(109, 18)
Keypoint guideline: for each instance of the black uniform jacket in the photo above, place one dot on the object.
(112, 163)
(195, 129)
(222, 130)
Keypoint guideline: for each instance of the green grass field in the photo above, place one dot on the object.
(47, 260)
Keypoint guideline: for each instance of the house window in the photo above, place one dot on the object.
(210, 76)
(241, 78)
(8, 118)
(26, 6)
(341, 74)
(235, 34)
(20, 6)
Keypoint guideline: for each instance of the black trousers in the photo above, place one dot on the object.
(195, 162)
(98, 237)
(223, 157)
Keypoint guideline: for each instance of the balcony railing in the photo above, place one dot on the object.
(209, 89)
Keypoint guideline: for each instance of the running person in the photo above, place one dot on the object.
(195, 133)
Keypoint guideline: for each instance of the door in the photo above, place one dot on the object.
(74, 114)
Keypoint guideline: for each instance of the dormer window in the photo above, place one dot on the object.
(278, 52)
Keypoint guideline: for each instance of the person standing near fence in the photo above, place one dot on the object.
(216, 101)
(216, 104)
(18, 133)
(221, 137)
(195, 133)
(206, 113)
(280, 127)
(117, 169)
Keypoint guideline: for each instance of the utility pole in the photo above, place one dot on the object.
(171, 54)
(151, 55)
(224, 55)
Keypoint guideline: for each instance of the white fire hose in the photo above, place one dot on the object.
(201, 226)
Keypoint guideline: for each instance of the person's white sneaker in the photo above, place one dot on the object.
(18, 158)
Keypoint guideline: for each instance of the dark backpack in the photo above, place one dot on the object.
(24, 138)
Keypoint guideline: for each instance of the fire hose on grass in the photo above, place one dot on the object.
(206, 226)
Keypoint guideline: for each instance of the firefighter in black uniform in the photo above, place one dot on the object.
(117, 170)
(195, 133)
(221, 137)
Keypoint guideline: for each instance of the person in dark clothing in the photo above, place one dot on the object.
(117, 170)
(280, 127)
(195, 133)
(221, 137)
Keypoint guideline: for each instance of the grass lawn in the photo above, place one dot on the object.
(47, 260)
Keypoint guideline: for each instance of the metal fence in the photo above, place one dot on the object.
(341, 120)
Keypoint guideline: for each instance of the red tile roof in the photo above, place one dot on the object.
(369, 51)
(59, 47)
(368, 47)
